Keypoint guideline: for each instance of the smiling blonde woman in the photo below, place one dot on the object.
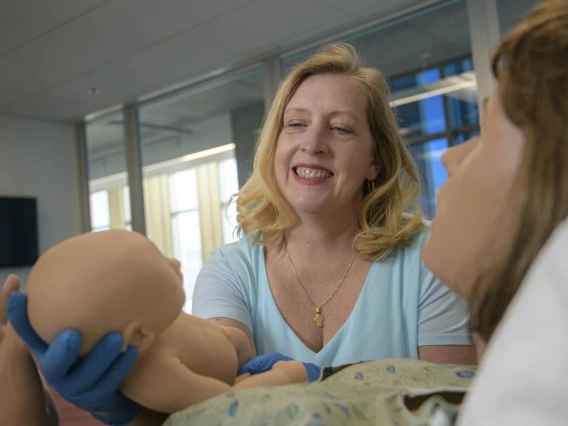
(328, 270)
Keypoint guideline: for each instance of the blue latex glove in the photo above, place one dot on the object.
(263, 363)
(91, 383)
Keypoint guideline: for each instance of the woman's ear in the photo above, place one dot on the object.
(136, 334)
(374, 169)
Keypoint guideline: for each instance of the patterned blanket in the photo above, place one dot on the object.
(391, 392)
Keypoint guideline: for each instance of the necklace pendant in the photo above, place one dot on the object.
(319, 319)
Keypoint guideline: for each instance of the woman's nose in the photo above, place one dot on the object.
(315, 140)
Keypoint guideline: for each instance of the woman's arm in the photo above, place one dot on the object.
(444, 335)
(226, 322)
(448, 354)
(223, 290)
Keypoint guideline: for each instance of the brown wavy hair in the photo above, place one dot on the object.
(531, 65)
(265, 214)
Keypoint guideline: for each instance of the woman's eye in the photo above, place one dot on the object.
(341, 130)
(295, 124)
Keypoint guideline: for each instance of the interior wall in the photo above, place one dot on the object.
(39, 159)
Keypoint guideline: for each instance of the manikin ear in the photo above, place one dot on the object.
(136, 334)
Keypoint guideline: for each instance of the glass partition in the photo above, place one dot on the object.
(107, 173)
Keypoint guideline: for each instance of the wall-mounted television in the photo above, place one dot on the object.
(18, 231)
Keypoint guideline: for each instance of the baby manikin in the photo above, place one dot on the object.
(117, 280)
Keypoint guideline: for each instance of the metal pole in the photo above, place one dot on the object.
(83, 164)
(485, 35)
(134, 168)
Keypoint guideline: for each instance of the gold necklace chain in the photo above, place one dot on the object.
(319, 318)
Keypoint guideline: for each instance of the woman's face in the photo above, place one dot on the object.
(325, 150)
(471, 227)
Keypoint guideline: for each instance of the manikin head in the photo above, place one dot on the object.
(508, 189)
(102, 282)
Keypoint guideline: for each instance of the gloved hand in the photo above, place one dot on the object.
(263, 363)
(91, 383)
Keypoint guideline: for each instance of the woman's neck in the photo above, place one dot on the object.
(313, 238)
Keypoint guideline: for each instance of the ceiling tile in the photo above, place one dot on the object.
(280, 22)
(355, 6)
(25, 78)
(54, 108)
(23, 20)
(10, 96)
(379, 9)
(114, 30)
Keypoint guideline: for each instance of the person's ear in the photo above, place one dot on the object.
(374, 169)
(136, 334)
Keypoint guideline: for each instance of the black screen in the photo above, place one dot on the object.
(18, 231)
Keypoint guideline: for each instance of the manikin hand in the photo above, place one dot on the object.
(92, 382)
(263, 363)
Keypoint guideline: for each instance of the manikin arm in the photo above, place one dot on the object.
(24, 399)
(171, 386)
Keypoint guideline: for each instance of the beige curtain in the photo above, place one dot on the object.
(209, 208)
(116, 208)
(158, 213)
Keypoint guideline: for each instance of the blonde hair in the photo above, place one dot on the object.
(531, 65)
(265, 214)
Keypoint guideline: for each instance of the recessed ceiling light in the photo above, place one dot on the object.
(93, 91)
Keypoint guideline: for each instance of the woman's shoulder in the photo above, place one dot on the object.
(244, 250)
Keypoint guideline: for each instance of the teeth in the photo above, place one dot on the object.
(312, 173)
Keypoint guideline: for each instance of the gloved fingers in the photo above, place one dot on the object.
(263, 363)
(117, 372)
(61, 355)
(95, 365)
(18, 317)
(313, 371)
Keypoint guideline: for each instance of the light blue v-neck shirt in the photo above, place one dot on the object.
(401, 306)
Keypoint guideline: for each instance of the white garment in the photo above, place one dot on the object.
(523, 377)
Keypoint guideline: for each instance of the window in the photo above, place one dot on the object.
(100, 217)
(436, 108)
(126, 204)
(186, 235)
(107, 172)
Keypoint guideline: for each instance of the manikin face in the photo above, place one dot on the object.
(325, 151)
(471, 225)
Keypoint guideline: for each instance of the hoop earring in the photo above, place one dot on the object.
(370, 186)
